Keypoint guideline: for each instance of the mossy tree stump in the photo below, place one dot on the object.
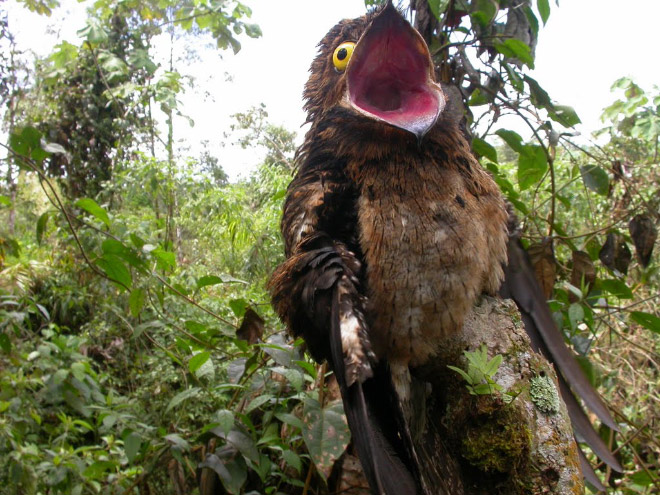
(487, 444)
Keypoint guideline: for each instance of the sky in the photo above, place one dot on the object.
(584, 48)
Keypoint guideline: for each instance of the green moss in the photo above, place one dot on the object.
(544, 394)
(497, 443)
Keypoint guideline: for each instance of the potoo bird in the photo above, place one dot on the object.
(392, 231)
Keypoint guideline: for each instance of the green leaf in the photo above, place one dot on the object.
(5, 343)
(92, 207)
(132, 444)
(182, 396)
(93, 32)
(295, 377)
(482, 148)
(257, 403)
(532, 19)
(252, 30)
(575, 314)
(465, 376)
(543, 7)
(326, 433)
(532, 166)
(309, 368)
(225, 420)
(291, 420)
(539, 96)
(484, 11)
(596, 179)
(116, 270)
(438, 7)
(238, 306)
(511, 138)
(292, 459)
(514, 78)
(164, 259)
(198, 360)
(647, 320)
(208, 280)
(617, 288)
(99, 470)
(41, 226)
(478, 98)
(27, 143)
(177, 441)
(493, 365)
(565, 115)
(5, 200)
(136, 301)
(514, 48)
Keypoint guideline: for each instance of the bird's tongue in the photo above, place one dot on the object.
(389, 75)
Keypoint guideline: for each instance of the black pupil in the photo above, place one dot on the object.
(342, 54)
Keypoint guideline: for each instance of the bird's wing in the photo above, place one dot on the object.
(520, 284)
(317, 293)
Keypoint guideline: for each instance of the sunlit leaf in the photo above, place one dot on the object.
(617, 288)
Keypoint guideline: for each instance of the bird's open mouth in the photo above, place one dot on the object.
(390, 75)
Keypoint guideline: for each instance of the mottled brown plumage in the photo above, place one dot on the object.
(392, 231)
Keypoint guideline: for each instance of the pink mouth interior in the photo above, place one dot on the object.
(388, 76)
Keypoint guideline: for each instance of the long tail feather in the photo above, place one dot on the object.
(384, 460)
(589, 473)
(583, 428)
(522, 286)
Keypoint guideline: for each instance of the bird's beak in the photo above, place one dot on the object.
(390, 75)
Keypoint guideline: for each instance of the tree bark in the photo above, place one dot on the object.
(481, 444)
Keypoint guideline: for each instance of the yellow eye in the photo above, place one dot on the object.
(342, 55)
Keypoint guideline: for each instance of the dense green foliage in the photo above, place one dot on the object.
(137, 341)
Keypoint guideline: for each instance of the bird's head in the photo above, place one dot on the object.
(377, 66)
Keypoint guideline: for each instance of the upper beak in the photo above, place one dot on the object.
(390, 75)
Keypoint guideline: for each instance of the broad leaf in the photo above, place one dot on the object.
(326, 433)
(136, 301)
(132, 444)
(511, 138)
(115, 269)
(198, 360)
(647, 320)
(92, 207)
(514, 48)
(617, 288)
(482, 148)
(595, 178)
(543, 7)
(532, 166)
